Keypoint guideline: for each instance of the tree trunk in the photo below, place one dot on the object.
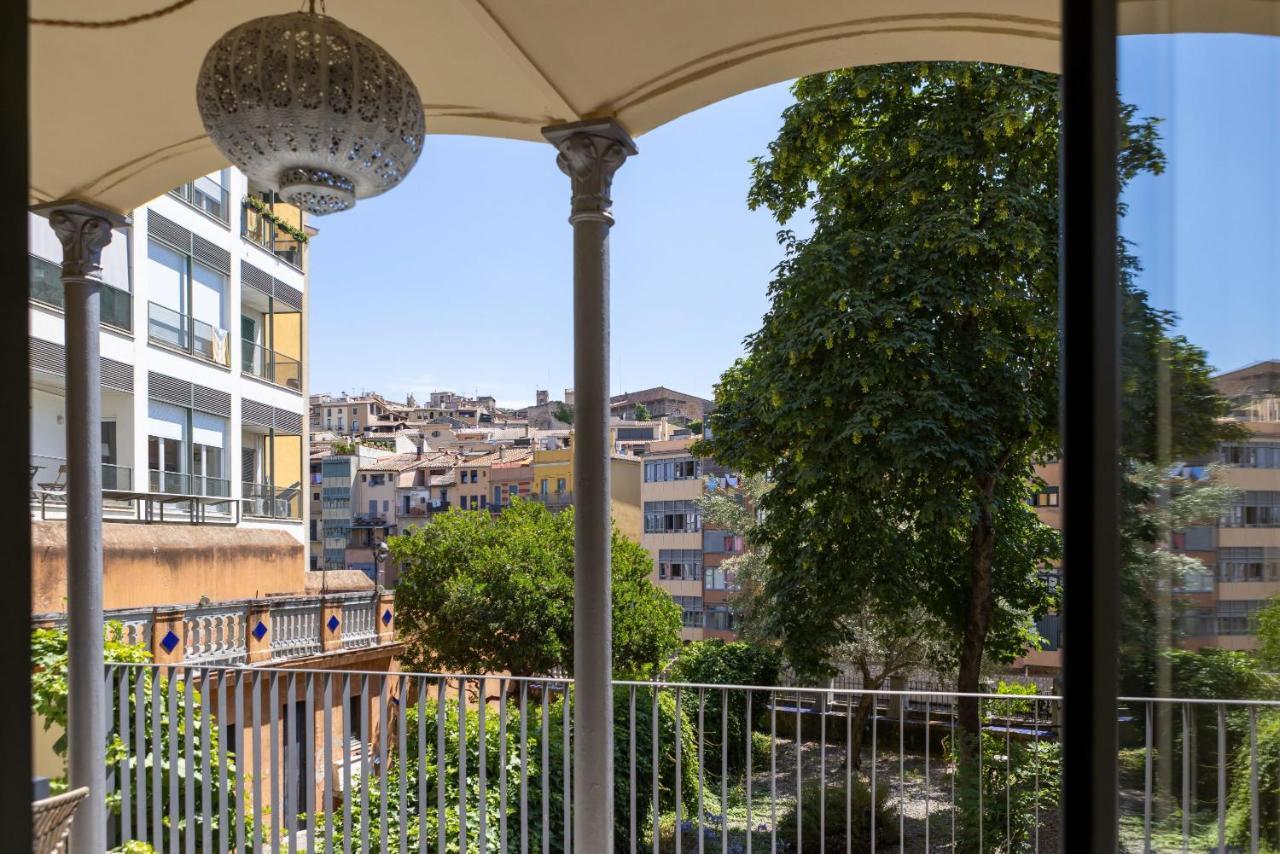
(865, 704)
(982, 540)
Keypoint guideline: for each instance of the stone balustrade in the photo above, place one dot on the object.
(253, 631)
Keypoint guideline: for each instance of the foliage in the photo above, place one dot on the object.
(264, 210)
(812, 820)
(1157, 502)
(491, 593)
(1011, 785)
(403, 781)
(1269, 636)
(642, 412)
(736, 510)
(1239, 808)
(714, 662)
(695, 427)
(49, 699)
(563, 413)
(344, 449)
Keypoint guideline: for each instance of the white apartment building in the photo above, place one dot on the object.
(204, 380)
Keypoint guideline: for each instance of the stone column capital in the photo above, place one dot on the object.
(84, 230)
(590, 153)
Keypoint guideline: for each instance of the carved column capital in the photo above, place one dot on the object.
(590, 153)
(84, 231)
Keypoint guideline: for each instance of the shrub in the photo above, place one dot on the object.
(836, 829)
(1239, 818)
(1016, 782)
(715, 662)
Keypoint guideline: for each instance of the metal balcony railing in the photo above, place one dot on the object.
(183, 483)
(267, 364)
(265, 233)
(265, 500)
(115, 305)
(183, 332)
(333, 759)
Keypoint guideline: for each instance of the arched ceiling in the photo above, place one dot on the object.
(114, 121)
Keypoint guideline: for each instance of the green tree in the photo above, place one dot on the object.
(695, 427)
(481, 593)
(642, 412)
(563, 413)
(1269, 635)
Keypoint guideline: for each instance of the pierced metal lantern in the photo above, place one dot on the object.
(312, 109)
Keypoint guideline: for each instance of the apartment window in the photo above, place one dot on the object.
(513, 490)
(315, 529)
(542, 488)
(45, 280)
(1047, 497)
(482, 502)
(185, 451)
(377, 479)
(658, 471)
(560, 485)
(1197, 622)
(209, 194)
(680, 564)
(667, 517)
(719, 617)
(475, 503)
(690, 611)
(1248, 564)
(1254, 455)
(1239, 617)
(1254, 510)
(188, 304)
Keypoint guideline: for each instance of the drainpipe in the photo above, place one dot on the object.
(590, 153)
(84, 231)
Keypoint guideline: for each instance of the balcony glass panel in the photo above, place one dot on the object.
(116, 305)
(166, 326)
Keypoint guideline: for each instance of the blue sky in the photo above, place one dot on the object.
(461, 277)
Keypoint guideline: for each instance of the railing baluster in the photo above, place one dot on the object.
(546, 771)
(902, 772)
(1008, 770)
(1222, 777)
(1146, 777)
(482, 752)
(875, 745)
(1253, 779)
(366, 760)
(982, 809)
(1186, 778)
(773, 772)
(206, 765)
(442, 690)
(502, 764)
(567, 764)
(422, 765)
(724, 767)
(955, 767)
(678, 792)
(242, 789)
(140, 746)
(274, 737)
(702, 807)
(928, 781)
(822, 773)
(848, 774)
(126, 783)
(384, 737)
(308, 748)
(653, 744)
(326, 805)
(175, 805)
(524, 767)
(157, 763)
(289, 729)
(750, 825)
(402, 726)
(1035, 722)
(348, 733)
(462, 764)
(799, 778)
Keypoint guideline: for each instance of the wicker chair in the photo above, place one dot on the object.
(51, 821)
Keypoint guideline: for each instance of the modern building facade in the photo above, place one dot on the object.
(203, 385)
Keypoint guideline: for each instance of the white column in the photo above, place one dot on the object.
(590, 153)
(84, 232)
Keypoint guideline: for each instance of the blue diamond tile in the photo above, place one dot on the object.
(386, 617)
(260, 630)
(333, 623)
(169, 641)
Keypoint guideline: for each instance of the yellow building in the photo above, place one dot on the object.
(553, 486)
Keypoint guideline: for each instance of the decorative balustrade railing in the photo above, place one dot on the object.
(340, 761)
(359, 624)
(295, 629)
(216, 634)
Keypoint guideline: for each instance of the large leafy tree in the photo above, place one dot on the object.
(905, 379)
(488, 593)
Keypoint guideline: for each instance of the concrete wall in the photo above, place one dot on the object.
(153, 565)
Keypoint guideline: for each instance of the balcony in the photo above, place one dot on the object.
(116, 306)
(261, 229)
(557, 500)
(207, 195)
(178, 331)
(267, 364)
(265, 501)
(758, 767)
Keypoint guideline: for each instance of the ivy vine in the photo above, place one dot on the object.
(264, 210)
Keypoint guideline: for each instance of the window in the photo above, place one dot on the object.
(560, 485)
(1238, 617)
(1047, 497)
(719, 617)
(658, 471)
(209, 194)
(482, 501)
(1254, 510)
(1255, 455)
(377, 479)
(667, 517)
(188, 304)
(513, 490)
(690, 611)
(315, 534)
(680, 564)
(1248, 564)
